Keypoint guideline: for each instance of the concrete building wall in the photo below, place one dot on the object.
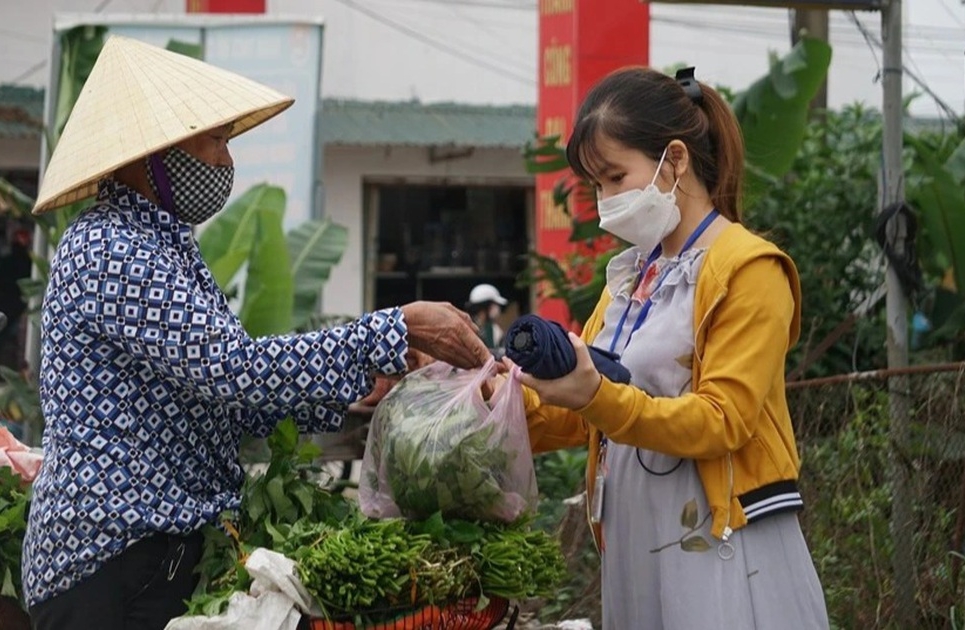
(19, 154)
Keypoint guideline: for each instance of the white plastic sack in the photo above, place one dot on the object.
(277, 600)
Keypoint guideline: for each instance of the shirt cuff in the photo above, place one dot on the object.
(391, 343)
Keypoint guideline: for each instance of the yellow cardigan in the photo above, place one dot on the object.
(735, 423)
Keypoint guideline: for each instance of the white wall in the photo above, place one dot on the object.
(346, 169)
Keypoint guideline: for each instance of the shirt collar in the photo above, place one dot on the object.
(142, 211)
(622, 271)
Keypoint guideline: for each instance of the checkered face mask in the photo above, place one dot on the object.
(191, 189)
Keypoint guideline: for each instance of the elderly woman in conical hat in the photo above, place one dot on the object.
(148, 380)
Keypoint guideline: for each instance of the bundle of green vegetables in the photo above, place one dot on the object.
(435, 446)
(354, 566)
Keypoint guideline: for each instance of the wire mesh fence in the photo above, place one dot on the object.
(842, 425)
(849, 456)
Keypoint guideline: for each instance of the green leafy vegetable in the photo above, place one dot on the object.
(365, 569)
(14, 505)
(433, 453)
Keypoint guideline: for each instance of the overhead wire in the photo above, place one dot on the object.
(951, 13)
(761, 24)
(413, 33)
(43, 62)
(921, 83)
(499, 38)
(523, 61)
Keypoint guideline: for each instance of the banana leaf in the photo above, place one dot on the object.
(773, 111)
(267, 305)
(315, 247)
(80, 47)
(13, 200)
(940, 199)
(544, 154)
(188, 49)
(227, 241)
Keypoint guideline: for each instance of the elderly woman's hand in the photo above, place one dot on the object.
(573, 391)
(445, 333)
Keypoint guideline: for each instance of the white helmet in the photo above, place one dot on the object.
(482, 293)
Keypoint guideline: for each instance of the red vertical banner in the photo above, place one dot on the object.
(580, 41)
(224, 6)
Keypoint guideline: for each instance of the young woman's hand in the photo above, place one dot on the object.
(576, 389)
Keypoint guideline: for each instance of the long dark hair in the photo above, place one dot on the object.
(644, 109)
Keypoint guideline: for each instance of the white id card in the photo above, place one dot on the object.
(596, 508)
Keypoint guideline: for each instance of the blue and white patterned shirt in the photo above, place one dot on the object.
(148, 382)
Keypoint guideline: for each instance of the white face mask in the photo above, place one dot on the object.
(642, 217)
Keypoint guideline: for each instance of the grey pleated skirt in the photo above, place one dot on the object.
(662, 570)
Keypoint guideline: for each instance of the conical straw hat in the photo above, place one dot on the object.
(139, 99)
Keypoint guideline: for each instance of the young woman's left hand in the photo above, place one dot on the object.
(573, 391)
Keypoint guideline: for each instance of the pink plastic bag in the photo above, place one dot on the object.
(24, 462)
(436, 446)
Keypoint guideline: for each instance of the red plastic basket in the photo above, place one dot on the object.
(461, 615)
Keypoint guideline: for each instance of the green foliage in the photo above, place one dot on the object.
(361, 564)
(19, 398)
(544, 154)
(560, 477)
(773, 111)
(272, 502)
(938, 194)
(287, 491)
(188, 49)
(227, 240)
(935, 189)
(285, 273)
(848, 455)
(269, 286)
(517, 562)
(578, 279)
(14, 505)
(315, 248)
(20, 203)
(829, 196)
(354, 565)
(80, 47)
(846, 521)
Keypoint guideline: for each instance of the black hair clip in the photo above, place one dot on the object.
(685, 77)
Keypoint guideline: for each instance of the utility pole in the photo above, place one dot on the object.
(896, 311)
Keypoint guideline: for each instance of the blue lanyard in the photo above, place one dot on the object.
(654, 255)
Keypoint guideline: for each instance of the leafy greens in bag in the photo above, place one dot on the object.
(435, 446)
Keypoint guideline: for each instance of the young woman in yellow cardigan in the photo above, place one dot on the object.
(692, 476)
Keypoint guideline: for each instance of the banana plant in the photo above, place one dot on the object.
(284, 272)
(773, 112)
(935, 189)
